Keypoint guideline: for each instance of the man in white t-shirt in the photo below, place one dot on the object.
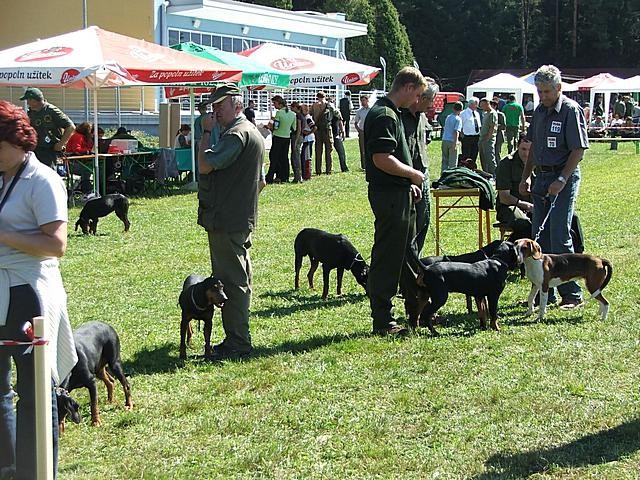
(361, 114)
(471, 123)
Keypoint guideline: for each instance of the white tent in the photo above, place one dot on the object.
(629, 85)
(503, 83)
(530, 78)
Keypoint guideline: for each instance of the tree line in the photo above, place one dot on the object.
(449, 38)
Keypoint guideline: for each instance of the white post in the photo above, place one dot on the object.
(44, 438)
(192, 186)
(383, 62)
(96, 180)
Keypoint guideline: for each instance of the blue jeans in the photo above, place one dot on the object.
(17, 428)
(556, 236)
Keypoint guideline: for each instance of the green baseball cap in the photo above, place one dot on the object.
(33, 93)
(223, 91)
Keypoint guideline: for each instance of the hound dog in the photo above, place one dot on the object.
(333, 251)
(198, 297)
(484, 280)
(97, 346)
(547, 271)
(101, 207)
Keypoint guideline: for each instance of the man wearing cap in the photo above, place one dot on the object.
(230, 173)
(53, 127)
(394, 186)
(558, 131)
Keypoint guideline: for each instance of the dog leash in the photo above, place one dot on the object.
(541, 228)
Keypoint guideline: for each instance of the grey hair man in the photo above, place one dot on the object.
(558, 131)
(230, 174)
(470, 129)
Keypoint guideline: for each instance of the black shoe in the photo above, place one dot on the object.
(221, 352)
(391, 329)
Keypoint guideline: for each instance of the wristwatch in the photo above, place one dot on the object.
(562, 179)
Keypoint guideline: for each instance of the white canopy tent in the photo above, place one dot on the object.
(591, 84)
(503, 83)
(629, 85)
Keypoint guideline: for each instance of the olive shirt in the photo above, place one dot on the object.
(415, 130)
(509, 175)
(50, 123)
(228, 196)
(384, 133)
(489, 119)
(556, 131)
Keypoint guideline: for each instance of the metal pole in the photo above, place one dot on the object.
(86, 92)
(383, 62)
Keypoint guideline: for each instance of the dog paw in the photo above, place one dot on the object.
(96, 423)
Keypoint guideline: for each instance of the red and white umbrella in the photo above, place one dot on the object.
(97, 58)
(310, 69)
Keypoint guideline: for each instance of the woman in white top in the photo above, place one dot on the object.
(33, 235)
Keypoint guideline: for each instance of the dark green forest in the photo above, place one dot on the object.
(449, 38)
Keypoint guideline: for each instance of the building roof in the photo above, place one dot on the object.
(230, 11)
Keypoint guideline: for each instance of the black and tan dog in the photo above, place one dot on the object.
(97, 346)
(547, 271)
(101, 207)
(333, 251)
(484, 280)
(197, 299)
(67, 407)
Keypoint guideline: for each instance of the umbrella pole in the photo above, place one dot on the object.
(193, 186)
(95, 140)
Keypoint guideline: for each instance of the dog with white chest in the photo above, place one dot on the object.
(547, 271)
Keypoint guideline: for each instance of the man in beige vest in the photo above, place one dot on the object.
(228, 189)
(323, 113)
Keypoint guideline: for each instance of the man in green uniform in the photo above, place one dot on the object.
(53, 127)
(488, 133)
(514, 116)
(228, 207)
(416, 126)
(512, 207)
(394, 186)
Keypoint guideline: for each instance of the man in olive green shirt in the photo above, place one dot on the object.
(487, 141)
(394, 186)
(53, 127)
(228, 207)
(416, 126)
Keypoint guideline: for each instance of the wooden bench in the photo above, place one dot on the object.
(611, 140)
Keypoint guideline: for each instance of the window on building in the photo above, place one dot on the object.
(216, 41)
(206, 40)
(196, 38)
(174, 37)
(185, 37)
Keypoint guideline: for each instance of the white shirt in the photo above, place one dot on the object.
(468, 124)
(361, 114)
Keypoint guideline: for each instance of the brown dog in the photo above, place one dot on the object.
(547, 271)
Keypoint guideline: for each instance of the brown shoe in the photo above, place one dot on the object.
(570, 303)
(391, 329)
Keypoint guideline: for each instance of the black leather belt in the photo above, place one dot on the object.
(549, 168)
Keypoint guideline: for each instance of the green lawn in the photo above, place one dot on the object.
(322, 398)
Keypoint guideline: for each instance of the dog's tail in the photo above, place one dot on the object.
(609, 268)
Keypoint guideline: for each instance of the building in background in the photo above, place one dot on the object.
(225, 24)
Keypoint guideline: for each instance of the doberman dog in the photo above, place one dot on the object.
(101, 207)
(97, 346)
(472, 257)
(67, 407)
(198, 297)
(333, 251)
(484, 280)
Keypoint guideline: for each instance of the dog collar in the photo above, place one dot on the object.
(356, 259)
(193, 301)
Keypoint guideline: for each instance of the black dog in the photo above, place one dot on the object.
(101, 207)
(67, 407)
(198, 297)
(472, 257)
(484, 280)
(97, 345)
(333, 251)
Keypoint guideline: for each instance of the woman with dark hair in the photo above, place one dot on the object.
(81, 141)
(33, 235)
(183, 137)
(282, 125)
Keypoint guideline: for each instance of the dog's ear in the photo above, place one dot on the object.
(536, 251)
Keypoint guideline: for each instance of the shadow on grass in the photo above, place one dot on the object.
(593, 449)
(306, 345)
(153, 360)
(303, 303)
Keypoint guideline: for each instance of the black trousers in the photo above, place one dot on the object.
(278, 159)
(470, 146)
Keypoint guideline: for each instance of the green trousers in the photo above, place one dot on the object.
(395, 224)
(230, 263)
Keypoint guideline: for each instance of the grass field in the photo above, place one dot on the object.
(322, 398)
